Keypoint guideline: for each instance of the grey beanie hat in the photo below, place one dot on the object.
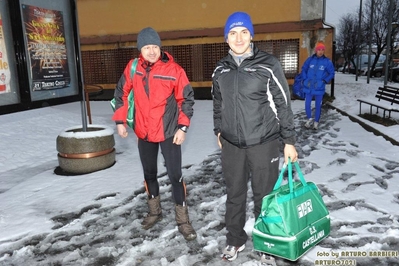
(147, 36)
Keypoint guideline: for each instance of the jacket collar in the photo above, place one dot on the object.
(165, 57)
(251, 55)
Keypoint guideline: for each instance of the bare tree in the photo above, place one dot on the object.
(378, 38)
(347, 38)
(379, 28)
(349, 32)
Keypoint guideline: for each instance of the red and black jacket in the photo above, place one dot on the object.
(163, 98)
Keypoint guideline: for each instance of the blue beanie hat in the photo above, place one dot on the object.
(147, 36)
(238, 19)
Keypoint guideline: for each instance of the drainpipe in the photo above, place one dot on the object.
(334, 46)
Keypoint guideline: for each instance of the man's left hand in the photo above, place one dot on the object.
(290, 152)
(179, 137)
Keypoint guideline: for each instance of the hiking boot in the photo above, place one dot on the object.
(309, 123)
(183, 223)
(155, 214)
(230, 253)
(267, 260)
(316, 125)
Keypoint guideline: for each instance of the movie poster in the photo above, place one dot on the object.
(44, 30)
(5, 74)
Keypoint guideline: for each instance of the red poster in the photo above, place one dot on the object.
(44, 30)
(4, 67)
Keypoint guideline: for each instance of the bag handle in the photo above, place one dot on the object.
(290, 179)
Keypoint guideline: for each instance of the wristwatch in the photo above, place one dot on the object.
(183, 128)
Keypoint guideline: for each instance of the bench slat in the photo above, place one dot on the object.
(382, 105)
(388, 99)
(388, 94)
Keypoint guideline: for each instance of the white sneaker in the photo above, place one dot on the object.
(316, 125)
(309, 123)
(230, 252)
(267, 260)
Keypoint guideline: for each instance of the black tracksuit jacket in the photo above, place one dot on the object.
(252, 102)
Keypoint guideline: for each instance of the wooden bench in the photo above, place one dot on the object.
(387, 97)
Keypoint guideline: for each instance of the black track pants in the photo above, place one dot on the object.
(261, 164)
(149, 159)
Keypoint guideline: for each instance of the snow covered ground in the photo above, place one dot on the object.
(94, 219)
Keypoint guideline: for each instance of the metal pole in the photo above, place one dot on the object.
(334, 47)
(394, 25)
(358, 41)
(79, 64)
(388, 47)
(370, 40)
(334, 51)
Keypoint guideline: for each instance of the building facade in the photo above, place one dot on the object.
(192, 31)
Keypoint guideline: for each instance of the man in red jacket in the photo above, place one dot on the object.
(163, 100)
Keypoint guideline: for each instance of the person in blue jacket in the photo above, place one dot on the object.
(317, 71)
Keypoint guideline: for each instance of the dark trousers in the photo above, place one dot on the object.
(261, 164)
(149, 159)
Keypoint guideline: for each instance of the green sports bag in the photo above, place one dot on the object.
(130, 99)
(293, 218)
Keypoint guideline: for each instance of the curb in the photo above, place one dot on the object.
(364, 125)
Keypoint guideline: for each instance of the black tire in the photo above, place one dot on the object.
(378, 74)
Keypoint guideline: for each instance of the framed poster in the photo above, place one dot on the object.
(39, 54)
(5, 75)
(49, 35)
(45, 39)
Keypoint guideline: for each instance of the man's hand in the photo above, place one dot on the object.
(290, 152)
(179, 137)
(121, 130)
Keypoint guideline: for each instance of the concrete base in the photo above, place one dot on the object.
(85, 152)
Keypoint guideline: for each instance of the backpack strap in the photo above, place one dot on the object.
(134, 66)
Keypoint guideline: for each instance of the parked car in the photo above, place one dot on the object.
(343, 69)
(360, 71)
(352, 70)
(378, 71)
(394, 73)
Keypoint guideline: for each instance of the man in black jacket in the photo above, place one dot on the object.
(251, 111)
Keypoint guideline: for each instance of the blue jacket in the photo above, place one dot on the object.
(316, 73)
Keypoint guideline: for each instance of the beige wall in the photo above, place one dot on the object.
(105, 17)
